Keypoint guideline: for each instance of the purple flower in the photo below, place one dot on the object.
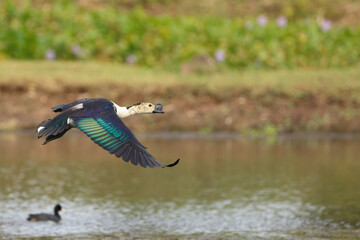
(325, 25)
(281, 21)
(131, 59)
(262, 20)
(50, 55)
(76, 50)
(249, 24)
(220, 55)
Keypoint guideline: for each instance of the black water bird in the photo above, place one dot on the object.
(46, 216)
(100, 120)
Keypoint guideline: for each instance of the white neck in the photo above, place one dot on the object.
(123, 112)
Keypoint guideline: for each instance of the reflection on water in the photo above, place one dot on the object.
(222, 188)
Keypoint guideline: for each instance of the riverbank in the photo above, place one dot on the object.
(249, 102)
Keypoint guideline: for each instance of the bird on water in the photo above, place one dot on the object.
(46, 216)
(99, 119)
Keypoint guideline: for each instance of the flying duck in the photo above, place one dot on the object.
(99, 119)
(46, 216)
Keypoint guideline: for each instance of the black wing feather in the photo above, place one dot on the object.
(109, 132)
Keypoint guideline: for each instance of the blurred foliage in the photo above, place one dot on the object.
(345, 11)
(63, 30)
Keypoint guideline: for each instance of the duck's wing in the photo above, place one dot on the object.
(109, 132)
(62, 107)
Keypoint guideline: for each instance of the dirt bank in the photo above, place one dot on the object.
(190, 109)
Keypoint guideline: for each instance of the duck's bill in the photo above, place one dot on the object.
(158, 108)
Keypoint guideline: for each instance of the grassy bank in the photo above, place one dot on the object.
(250, 102)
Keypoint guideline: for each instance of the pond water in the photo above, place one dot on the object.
(223, 188)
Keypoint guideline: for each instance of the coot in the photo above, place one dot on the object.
(46, 216)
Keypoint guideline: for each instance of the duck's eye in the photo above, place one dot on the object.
(150, 105)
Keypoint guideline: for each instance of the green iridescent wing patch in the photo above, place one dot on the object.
(102, 132)
(110, 133)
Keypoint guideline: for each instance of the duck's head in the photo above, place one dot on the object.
(57, 208)
(144, 107)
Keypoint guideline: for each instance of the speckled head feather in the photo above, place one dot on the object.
(133, 105)
(145, 107)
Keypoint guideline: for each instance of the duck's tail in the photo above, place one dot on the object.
(54, 128)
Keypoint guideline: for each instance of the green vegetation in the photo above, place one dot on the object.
(346, 11)
(65, 31)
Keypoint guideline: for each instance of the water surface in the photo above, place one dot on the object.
(223, 188)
